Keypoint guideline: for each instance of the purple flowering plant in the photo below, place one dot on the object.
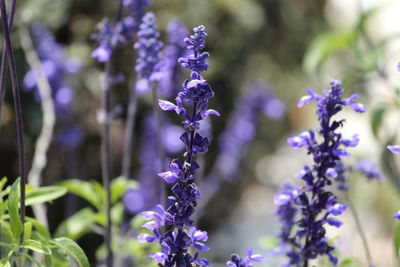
(192, 106)
(305, 211)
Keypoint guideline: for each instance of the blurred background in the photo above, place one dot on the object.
(264, 54)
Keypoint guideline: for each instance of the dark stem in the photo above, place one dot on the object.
(3, 69)
(160, 147)
(17, 108)
(305, 263)
(360, 229)
(106, 160)
(129, 132)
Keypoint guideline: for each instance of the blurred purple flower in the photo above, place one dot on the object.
(174, 50)
(56, 65)
(148, 47)
(368, 169)
(237, 261)
(394, 149)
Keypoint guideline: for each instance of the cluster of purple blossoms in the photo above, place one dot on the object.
(110, 36)
(148, 47)
(191, 105)
(137, 9)
(304, 211)
(247, 261)
(55, 65)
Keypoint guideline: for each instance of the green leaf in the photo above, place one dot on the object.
(119, 186)
(349, 262)
(33, 260)
(3, 182)
(41, 229)
(85, 190)
(72, 249)
(27, 230)
(13, 203)
(77, 225)
(117, 213)
(268, 242)
(397, 241)
(324, 45)
(376, 120)
(36, 246)
(44, 194)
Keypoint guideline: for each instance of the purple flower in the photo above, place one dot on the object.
(304, 211)
(148, 46)
(109, 36)
(394, 149)
(368, 169)
(191, 105)
(397, 215)
(57, 67)
(237, 261)
(137, 9)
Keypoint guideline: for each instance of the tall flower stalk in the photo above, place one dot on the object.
(17, 101)
(148, 67)
(304, 211)
(4, 62)
(192, 106)
(137, 9)
(109, 36)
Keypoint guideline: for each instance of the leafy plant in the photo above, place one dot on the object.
(36, 239)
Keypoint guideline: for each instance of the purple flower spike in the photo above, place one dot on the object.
(394, 149)
(192, 106)
(148, 47)
(305, 211)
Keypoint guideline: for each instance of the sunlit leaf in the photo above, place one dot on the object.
(36, 246)
(13, 209)
(44, 194)
(72, 249)
(77, 225)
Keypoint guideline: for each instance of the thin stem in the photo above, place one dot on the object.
(160, 147)
(17, 108)
(106, 160)
(129, 132)
(49, 118)
(3, 69)
(359, 229)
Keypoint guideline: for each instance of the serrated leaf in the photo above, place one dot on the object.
(397, 241)
(83, 189)
(72, 249)
(44, 194)
(77, 225)
(324, 45)
(36, 246)
(13, 204)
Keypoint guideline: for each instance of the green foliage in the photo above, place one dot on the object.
(349, 262)
(268, 242)
(36, 237)
(397, 241)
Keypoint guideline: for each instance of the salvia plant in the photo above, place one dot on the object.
(306, 210)
(192, 106)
